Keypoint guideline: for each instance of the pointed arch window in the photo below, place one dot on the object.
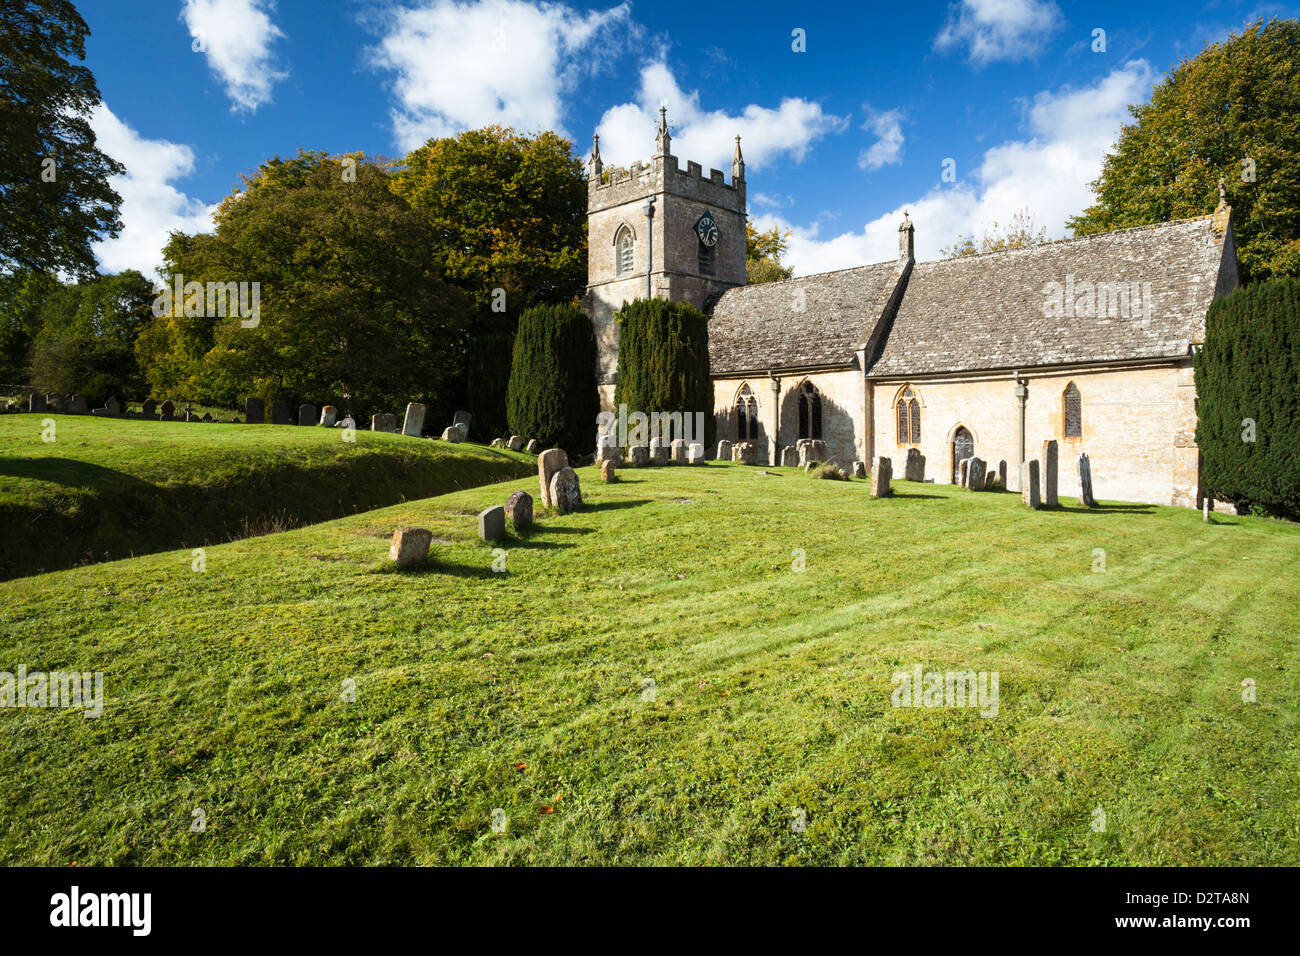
(1072, 411)
(810, 411)
(623, 255)
(909, 418)
(746, 414)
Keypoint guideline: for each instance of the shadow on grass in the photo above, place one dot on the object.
(615, 505)
(1116, 508)
(69, 471)
(916, 497)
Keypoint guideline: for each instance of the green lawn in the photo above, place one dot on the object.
(111, 488)
(475, 691)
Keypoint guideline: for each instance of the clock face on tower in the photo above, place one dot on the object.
(707, 230)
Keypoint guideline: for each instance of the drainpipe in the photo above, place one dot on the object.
(774, 456)
(1022, 393)
(650, 244)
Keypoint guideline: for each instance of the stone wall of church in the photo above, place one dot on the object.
(843, 416)
(1138, 427)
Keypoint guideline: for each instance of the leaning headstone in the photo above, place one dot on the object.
(789, 457)
(167, 411)
(638, 455)
(745, 453)
(1085, 482)
(383, 422)
(724, 451)
(533, 448)
(975, 472)
(328, 416)
(491, 521)
(1049, 474)
(606, 470)
(37, 403)
(519, 509)
(566, 495)
(962, 468)
(859, 469)
(307, 414)
(882, 472)
(914, 467)
(1029, 483)
(451, 434)
(254, 411)
(678, 449)
(658, 451)
(462, 418)
(515, 443)
(78, 405)
(282, 413)
(695, 454)
(409, 546)
(549, 463)
(413, 424)
(148, 408)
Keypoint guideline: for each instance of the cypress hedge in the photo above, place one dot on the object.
(551, 395)
(1248, 398)
(663, 360)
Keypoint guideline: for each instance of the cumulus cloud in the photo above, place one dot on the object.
(151, 207)
(459, 66)
(888, 147)
(236, 37)
(787, 132)
(1047, 173)
(999, 29)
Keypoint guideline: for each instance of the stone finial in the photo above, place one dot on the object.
(1223, 192)
(738, 164)
(1222, 215)
(663, 141)
(595, 165)
(906, 233)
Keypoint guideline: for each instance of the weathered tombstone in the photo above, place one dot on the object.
(254, 411)
(148, 408)
(566, 494)
(78, 405)
(724, 451)
(533, 448)
(515, 443)
(812, 449)
(1085, 482)
(383, 422)
(607, 447)
(37, 403)
(746, 453)
(1029, 483)
(638, 455)
(207, 417)
(1002, 474)
(497, 443)
(975, 472)
(548, 463)
(519, 509)
(606, 470)
(409, 546)
(413, 424)
(962, 468)
(491, 521)
(328, 416)
(678, 448)
(882, 472)
(859, 469)
(992, 480)
(462, 418)
(452, 435)
(695, 454)
(282, 413)
(914, 467)
(167, 411)
(307, 414)
(789, 457)
(111, 408)
(1049, 474)
(659, 450)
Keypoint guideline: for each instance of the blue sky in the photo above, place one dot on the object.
(838, 138)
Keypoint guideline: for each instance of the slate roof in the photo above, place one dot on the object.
(979, 312)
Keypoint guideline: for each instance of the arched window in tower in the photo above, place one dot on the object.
(909, 418)
(1073, 411)
(810, 411)
(746, 414)
(623, 259)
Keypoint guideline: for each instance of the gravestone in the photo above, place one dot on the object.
(78, 405)
(606, 470)
(607, 448)
(167, 411)
(789, 457)
(659, 450)
(1049, 474)
(724, 451)
(515, 443)
(112, 408)
(695, 454)
(746, 453)
(882, 472)
(462, 418)
(519, 509)
(307, 414)
(328, 416)
(191, 415)
(1029, 483)
(962, 468)
(638, 455)
(914, 467)
(1000, 476)
(812, 449)
(452, 435)
(207, 417)
(678, 449)
(383, 422)
(975, 472)
(409, 546)
(549, 463)
(859, 469)
(532, 447)
(413, 424)
(566, 494)
(148, 408)
(254, 411)
(281, 413)
(346, 422)
(491, 521)
(497, 443)
(1085, 482)
(37, 403)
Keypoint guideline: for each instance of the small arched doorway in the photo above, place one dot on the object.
(963, 447)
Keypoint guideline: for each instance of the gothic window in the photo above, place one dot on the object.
(1073, 405)
(623, 252)
(810, 411)
(746, 415)
(706, 259)
(909, 418)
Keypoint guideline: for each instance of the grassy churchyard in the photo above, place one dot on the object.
(697, 667)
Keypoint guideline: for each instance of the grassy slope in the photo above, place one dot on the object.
(1120, 688)
(112, 488)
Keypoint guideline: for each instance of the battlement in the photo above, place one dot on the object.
(663, 174)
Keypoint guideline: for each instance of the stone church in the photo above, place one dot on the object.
(1087, 341)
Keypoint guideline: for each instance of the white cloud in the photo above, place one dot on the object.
(627, 132)
(460, 66)
(1071, 130)
(237, 37)
(888, 147)
(150, 207)
(999, 29)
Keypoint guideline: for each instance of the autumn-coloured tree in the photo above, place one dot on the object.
(1018, 233)
(763, 255)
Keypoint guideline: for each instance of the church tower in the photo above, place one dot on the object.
(658, 230)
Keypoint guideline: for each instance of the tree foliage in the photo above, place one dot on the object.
(1232, 112)
(1017, 234)
(55, 197)
(1248, 397)
(763, 255)
(552, 393)
(663, 360)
